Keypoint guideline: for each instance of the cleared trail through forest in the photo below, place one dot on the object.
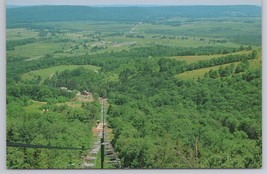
(91, 158)
(89, 161)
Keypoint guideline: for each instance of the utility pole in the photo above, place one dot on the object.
(103, 101)
(102, 139)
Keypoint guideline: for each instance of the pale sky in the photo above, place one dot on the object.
(133, 2)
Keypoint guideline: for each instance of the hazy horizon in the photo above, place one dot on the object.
(132, 2)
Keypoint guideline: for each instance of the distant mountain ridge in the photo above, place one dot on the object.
(14, 6)
(132, 13)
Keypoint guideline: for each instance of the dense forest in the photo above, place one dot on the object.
(159, 120)
(195, 118)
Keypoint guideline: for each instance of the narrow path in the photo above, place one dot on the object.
(113, 159)
(134, 28)
(89, 161)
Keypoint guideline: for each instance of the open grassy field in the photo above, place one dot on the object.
(171, 41)
(200, 72)
(207, 28)
(89, 26)
(192, 59)
(20, 33)
(35, 106)
(253, 64)
(48, 72)
(77, 101)
(35, 49)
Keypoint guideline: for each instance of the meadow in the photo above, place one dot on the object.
(192, 59)
(49, 72)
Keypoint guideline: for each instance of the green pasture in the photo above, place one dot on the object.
(203, 29)
(34, 50)
(20, 33)
(200, 72)
(255, 64)
(192, 59)
(34, 107)
(89, 26)
(48, 72)
(194, 74)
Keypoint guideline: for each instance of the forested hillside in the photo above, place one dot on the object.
(183, 90)
(157, 118)
(76, 13)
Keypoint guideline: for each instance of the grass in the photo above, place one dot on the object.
(35, 49)
(73, 104)
(77, 101)
(48, 72)
(20, 33)
(98, 161)
(203, 29)
(199, 72)
(176, 41)
(253, 65)
(35, 107)
(256, 63)
(192, 59)
(89, 26)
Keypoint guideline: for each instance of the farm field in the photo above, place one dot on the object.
(195, 74)
(192, 59)
(199, 73)
(78, 38)
(218, 29)
(49, 72)
(20, 33)
(35, 50)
